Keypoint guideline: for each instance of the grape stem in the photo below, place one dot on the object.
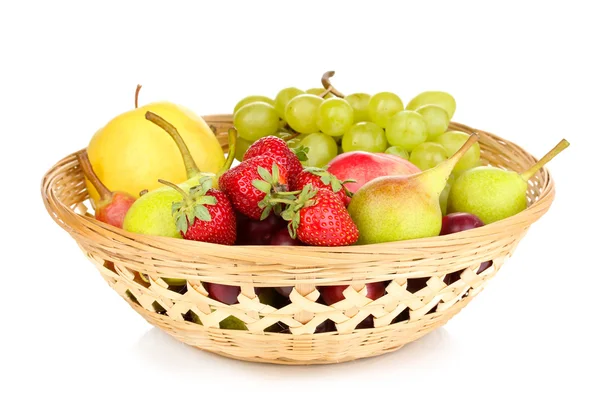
(327, 84)
(137, 94)
(290, 137)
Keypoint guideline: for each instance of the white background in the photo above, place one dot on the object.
(527, 72)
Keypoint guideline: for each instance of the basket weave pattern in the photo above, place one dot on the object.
(399, 317)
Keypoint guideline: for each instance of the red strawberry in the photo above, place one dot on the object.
(250, 186)
(318, 217)
(322, 179)
(205, 214)
(279, 150)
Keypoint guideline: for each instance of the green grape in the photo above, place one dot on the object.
(321, 149)
(407, 130)
(365, 136)
(240, 148)
(301, 113)
(319, 92)
(335, 116)
(428, 155)
(383, 106)
(443, 99)
(256, 120)
(436, 119)
(283, 97)
(396, 151)
(360, 104)
(452, 141)
(253, 98)
(444, 195)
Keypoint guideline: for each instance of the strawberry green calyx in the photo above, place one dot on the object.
(329, 179)
(270, 185)
(292, 211)
(193, 204)
(301, 152)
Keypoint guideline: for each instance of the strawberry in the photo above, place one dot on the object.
(318, 217)
(322, 179)
(250, 186)
(205, 214)
(279, 150)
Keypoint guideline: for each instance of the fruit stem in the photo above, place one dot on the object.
(88, 171)
(327, 84)
(438, 176)
(290, 137)
(137, 93)
(562, 145)
(185, 195)
(191, 168)
(232, 140)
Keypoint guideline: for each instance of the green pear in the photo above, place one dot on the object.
(395, 208)
(493, 194)
(232, 323)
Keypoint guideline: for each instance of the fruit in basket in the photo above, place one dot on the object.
(279, 150)
(334, 294)
(320, 149)
(318, 217)
(257, 232)
(428, 155)
(364, 166)
(226, 294)
(301, 113)
(364, 136)
(445, 193)
(204, 214)
(406, 129)
(256, 120)
(253, 98)
(283, 97)
(397, 151)
(335, 116)
(282, 237)
(322, 179)
(382, 106)
(360, 105)
(112, 206)
(130, 154)
(457, 222)
(436, 120)
(396, 208)
(151, 213)
(232, 323)
(252, 184)
(452, 141)
(442, 99)
(493, 194)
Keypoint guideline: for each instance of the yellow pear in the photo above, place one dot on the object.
(131, 154)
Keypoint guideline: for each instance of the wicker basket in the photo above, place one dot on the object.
(399, 317)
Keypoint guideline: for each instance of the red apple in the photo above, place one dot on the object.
(365, 166)
(334, 294)
(223, 293)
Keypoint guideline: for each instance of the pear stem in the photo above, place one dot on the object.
(88, 171)
(232, 140)
(446, 167)
(327, 84)
(175, 187)
(137, 93)
(562, 145)
(191, 168)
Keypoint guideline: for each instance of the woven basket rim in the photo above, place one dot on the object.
(525, 217)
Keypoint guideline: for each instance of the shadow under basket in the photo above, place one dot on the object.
(428, 281)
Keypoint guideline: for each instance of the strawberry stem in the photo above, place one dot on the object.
(88, 171)
(191, 168)
(137, 93)
(327, 84)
